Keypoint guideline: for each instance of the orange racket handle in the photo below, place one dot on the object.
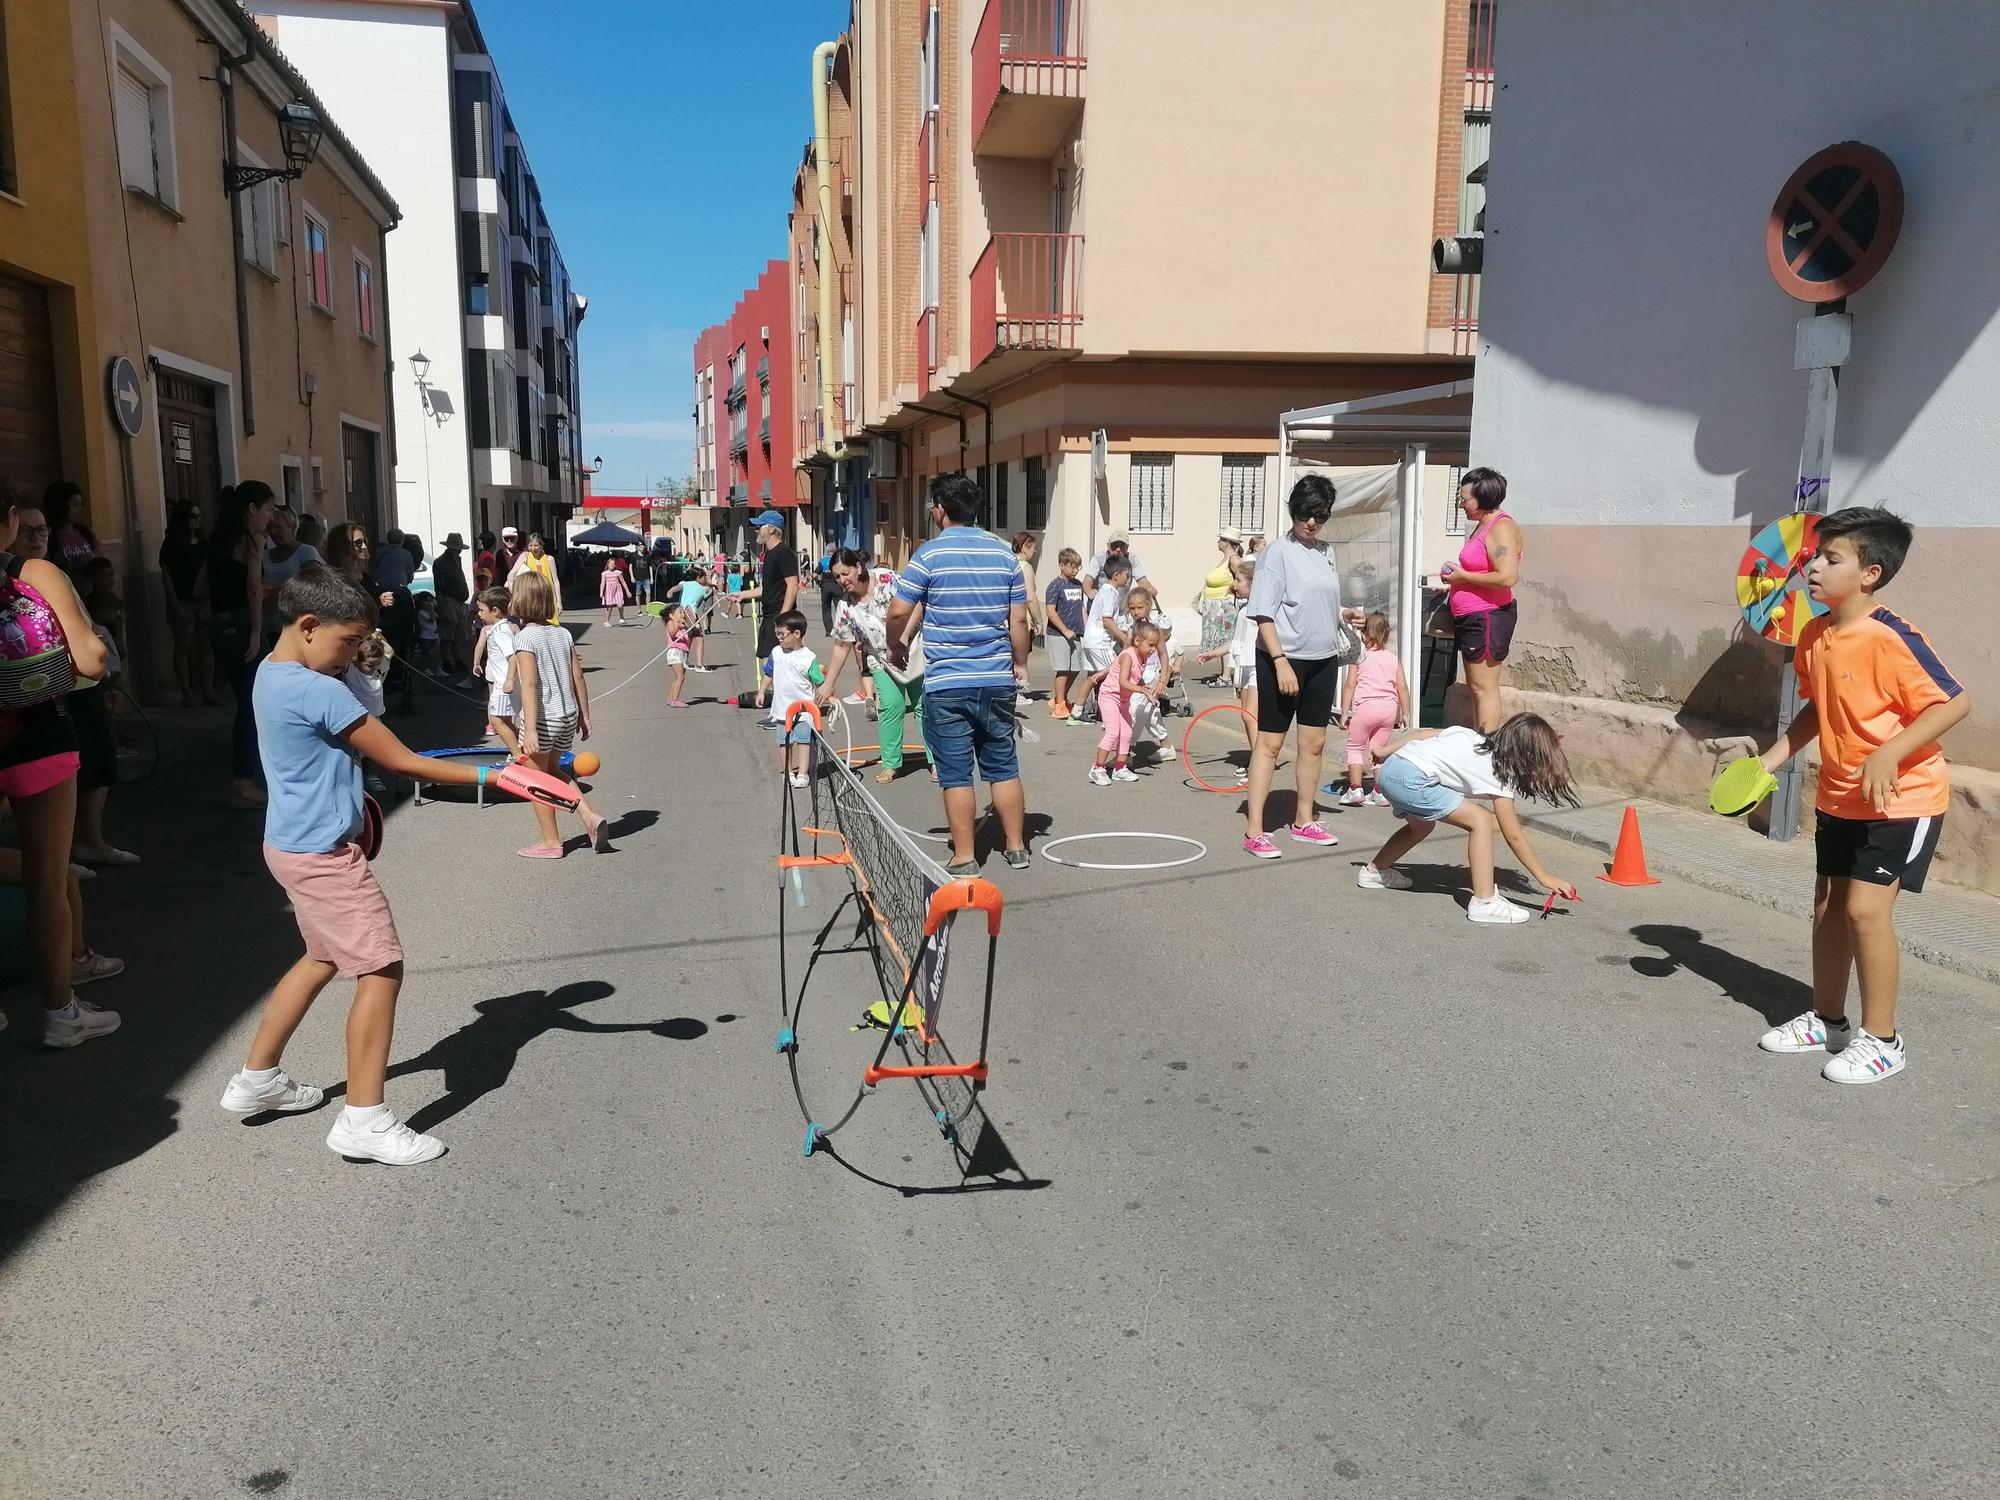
(805, 706)
(535, 786)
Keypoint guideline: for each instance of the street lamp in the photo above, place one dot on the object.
(300, 130)
(594, 465)
(420, 365)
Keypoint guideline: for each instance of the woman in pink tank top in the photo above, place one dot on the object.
(1482, 590)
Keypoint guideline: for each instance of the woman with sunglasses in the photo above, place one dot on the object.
(1295, 600)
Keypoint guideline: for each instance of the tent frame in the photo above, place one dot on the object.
(1379, 423)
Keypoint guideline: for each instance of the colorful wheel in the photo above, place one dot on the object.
(1771, 579)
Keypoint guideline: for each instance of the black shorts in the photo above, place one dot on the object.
(1881, 851)
(1313, 707)
(1487, 634)
(96, 746)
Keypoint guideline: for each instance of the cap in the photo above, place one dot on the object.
(769, 518)
(1230, 534)
(509, 531)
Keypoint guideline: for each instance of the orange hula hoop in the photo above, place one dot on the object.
(1187, 759)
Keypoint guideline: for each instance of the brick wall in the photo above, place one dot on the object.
(1451, 168)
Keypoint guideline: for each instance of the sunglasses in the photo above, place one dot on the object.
(1317, 517)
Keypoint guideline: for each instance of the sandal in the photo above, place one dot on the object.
(541, 851)
(884, 776)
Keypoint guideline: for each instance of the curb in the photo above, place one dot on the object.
(1660, 857)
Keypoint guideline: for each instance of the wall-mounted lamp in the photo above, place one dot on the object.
(300, 130)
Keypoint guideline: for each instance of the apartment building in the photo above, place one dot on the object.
(1167, 223)
(486, 353)
(746, 400)
(1639, 389)
(178, 208)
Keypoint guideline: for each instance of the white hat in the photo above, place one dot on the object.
(1230, 534)
(509, 531)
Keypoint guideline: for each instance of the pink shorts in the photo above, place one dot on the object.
(341, 911)
(34, 777)
(1368, 729)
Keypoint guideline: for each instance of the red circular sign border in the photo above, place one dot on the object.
(1889, 188)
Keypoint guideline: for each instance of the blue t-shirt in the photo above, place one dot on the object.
(312, 773)
(1066, 601)
(966, 579)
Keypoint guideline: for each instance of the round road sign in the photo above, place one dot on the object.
(1835, 223)
(128, 402)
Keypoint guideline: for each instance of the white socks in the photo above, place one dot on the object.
(255, 1076)
(367, 1115)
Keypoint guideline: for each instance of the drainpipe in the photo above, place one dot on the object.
(822, 59)
(985, 469)
(246, 395)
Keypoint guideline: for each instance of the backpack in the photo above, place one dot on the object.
(35, 665)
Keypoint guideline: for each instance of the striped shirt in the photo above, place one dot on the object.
(967, 580)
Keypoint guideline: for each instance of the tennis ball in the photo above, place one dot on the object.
(586, 763)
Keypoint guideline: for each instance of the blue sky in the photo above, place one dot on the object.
(664, 136)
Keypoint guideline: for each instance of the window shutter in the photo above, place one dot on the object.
(1035, 482)
(136, 156)
(1151, 492)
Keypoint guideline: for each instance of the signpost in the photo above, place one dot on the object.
(125, 396)
(1831, 229)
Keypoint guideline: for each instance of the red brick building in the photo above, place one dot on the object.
(745, 418)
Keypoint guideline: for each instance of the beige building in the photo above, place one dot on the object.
(1167, 223)
(255, 318)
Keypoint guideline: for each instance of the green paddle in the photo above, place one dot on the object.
(1741, 786)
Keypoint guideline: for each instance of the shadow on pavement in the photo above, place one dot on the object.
(1771, 993)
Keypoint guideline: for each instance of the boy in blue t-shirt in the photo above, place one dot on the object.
(1067, 602)
(312, 733)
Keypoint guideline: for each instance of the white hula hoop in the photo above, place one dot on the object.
(1200, 851)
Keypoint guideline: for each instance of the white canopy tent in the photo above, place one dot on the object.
(1375, 449)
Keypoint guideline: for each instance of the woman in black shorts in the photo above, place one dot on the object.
(1295, 600)
(1482, 580)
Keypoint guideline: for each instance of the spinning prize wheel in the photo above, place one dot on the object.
(1771, 579)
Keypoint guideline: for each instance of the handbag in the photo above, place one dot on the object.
(1440, 624)
(35, 664)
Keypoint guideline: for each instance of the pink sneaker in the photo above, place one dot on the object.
(1312, 833)
(1262, 846)
(677, 703)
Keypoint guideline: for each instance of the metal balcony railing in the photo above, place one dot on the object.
(1027, 293)
(764, 372)
(764, 432)
(927, 163)
(927, 350)
(1027, 50)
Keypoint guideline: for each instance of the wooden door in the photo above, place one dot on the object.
(30, 436)
(359, 450)
(190, 453)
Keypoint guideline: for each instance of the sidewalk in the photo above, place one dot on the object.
(1947, 925)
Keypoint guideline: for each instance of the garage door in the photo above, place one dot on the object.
(30, 440)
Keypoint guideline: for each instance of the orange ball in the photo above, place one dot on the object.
(586, 763)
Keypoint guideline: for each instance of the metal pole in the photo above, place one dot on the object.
(1409, 541)
(1821, 349)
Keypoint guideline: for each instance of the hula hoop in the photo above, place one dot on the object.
(1187, 758)
(1201, 851)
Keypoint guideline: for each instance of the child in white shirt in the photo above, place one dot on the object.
(493, 659)
(795, 677)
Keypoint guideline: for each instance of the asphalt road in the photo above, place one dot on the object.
(1315, 1191)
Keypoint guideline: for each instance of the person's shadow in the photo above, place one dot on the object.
(479, 1057)
(1772, 993)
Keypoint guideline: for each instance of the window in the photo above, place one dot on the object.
(364, 297)
(1035, 482)
(1152, 492)
(1455, 523)
(477, 302)
(261, 209)
(294, 482)
(143, 101)
(1243, 492)
(319, 267)
(996, 480)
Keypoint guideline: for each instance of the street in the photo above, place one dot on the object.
(1327, 1191)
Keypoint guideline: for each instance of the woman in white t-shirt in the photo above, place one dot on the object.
(553, 701)
(1449, 776)
(861, 625)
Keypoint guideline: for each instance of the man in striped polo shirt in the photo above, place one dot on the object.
(976, 648)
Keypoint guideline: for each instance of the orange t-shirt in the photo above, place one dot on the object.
(1869, 680)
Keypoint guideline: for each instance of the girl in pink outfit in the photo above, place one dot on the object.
(1125, 681)
(1375, 701)
(613, 590)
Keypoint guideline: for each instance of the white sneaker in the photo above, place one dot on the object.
(94, 966)
(1124, 773)
(1352, 797)
(1099, 776)
(1371, 879)
(1806, 1033)
(799, 780)
(1375, 799)
(59, 1030)
(1166, 753)
(279, 1095)
(1498, 911)
(386, 1139)
(857, 699)
(1866, 1059)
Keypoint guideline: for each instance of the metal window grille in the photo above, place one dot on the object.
(998, 478)
(1152, 493)
(1455, 523)
(1035, 481)
(1243, 492)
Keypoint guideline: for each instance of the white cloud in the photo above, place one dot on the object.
(651, 432)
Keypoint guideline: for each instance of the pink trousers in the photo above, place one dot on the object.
(1369, 728)
(1115, 709)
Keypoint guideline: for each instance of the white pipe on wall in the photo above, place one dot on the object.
(830, 441)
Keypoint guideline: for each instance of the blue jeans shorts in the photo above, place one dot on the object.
(1413, 794)
(968, 725)
(800, 733)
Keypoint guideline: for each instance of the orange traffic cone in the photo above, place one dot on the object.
(1628, 860)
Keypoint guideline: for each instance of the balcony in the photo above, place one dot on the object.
(739, 439)
(927, 173)
(764, 372)
(764, 432)
(1027, 76)
(927, 350)
(1027, 296)
(739, 494)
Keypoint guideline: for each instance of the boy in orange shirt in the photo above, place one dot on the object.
(1877, 698)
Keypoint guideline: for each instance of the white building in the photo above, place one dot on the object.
(488, 418)
(1635, 376)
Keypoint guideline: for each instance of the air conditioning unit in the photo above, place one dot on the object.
(764, 333)
(882, 458)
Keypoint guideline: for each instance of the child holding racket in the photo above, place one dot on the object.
(554, 705)
(680, 639)
(1241, 654)
(1124, 681)
(1876, 698)
(1451, 776)
(1374, 702)
(311, 734)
